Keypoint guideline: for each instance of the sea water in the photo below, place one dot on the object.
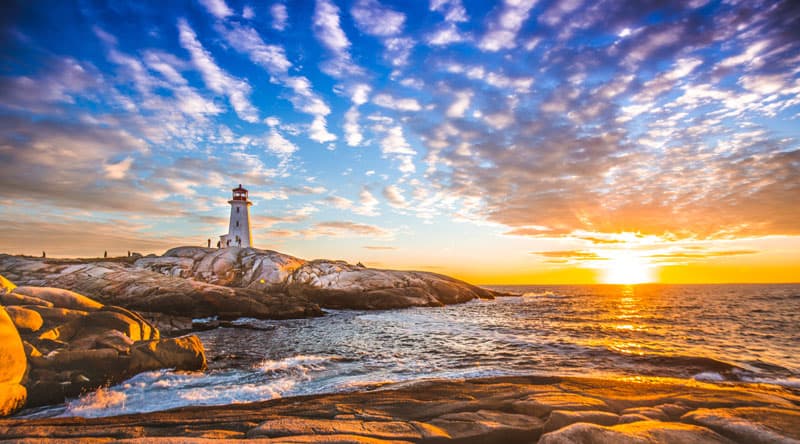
(717, 333)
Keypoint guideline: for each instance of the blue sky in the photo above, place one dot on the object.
(531, 134)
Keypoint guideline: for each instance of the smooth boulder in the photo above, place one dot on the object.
(25, 319)
(60, 297)
(184, 353)
(12, 368)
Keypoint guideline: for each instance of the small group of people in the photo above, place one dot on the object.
(105, 253)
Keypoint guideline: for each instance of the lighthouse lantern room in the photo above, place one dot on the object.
(239, 234)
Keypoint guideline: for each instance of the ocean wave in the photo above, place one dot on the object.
(542, 294)
(302, 363)
(709, 376)
(97, 403)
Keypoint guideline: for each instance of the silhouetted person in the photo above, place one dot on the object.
(218, 245)
(129, 253)
(43, 255)
(209, 243)
(105, 254)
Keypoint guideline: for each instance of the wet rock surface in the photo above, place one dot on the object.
(56, 343)
(237, 282)
(468, 411)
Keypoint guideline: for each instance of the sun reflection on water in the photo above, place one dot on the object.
(625, 313)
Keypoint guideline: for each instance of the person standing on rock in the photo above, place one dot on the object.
(105, 254)
(43, 255)
(209, 243)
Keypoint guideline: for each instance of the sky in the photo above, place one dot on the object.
(515, 141)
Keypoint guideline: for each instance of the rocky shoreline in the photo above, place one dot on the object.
(69, 326)
(56, 344)
(193, 282)
(528, 409)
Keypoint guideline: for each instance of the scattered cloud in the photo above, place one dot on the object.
(394, 195)
(328, 30)
(373, 18)
(118, 170)
(502, 31)
(280, 16)
(215, 78)
(346, 229)
(562, 256)
(217, 8)
(367, 204)
(402, 104)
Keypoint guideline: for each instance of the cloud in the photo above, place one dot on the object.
(278, 145)
(328, 30)
(570, 256)
(215, 78)
(375, 19)
(352, 130)
(394, 195)
(346, 229)
(57, 162)
(118, 170)
(379, 247)
(318, 130)
(394, 145)
(502, 32)
(63, 79)
(459, 105)
(453, 10)
(217, 8)
(280, 16)
(367, 204)
(520, 84)
(273, 59)
(446, 34)
(647, 146)
(338, 202)
(327, 27)
(698, 255)
(404, 104)
(556, 13)
(248, 13)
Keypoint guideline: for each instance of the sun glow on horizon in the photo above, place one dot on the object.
(625, 267)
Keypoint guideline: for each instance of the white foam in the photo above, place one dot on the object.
(785, 382)
(709, 376)
(97, 403)
(299, 362)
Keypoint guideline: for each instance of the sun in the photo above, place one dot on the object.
(625, 267)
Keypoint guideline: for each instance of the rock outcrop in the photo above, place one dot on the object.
(567, 410)
(13, 366)
(70, 343)
(239, 282)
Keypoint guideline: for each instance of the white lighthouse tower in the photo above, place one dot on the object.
(239, 234)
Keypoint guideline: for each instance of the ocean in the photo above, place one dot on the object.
(717, 333)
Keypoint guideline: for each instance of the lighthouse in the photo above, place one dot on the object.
(239, 234)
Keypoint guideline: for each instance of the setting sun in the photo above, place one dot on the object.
(625, 267)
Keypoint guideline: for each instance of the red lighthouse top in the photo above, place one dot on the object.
(240, 193)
